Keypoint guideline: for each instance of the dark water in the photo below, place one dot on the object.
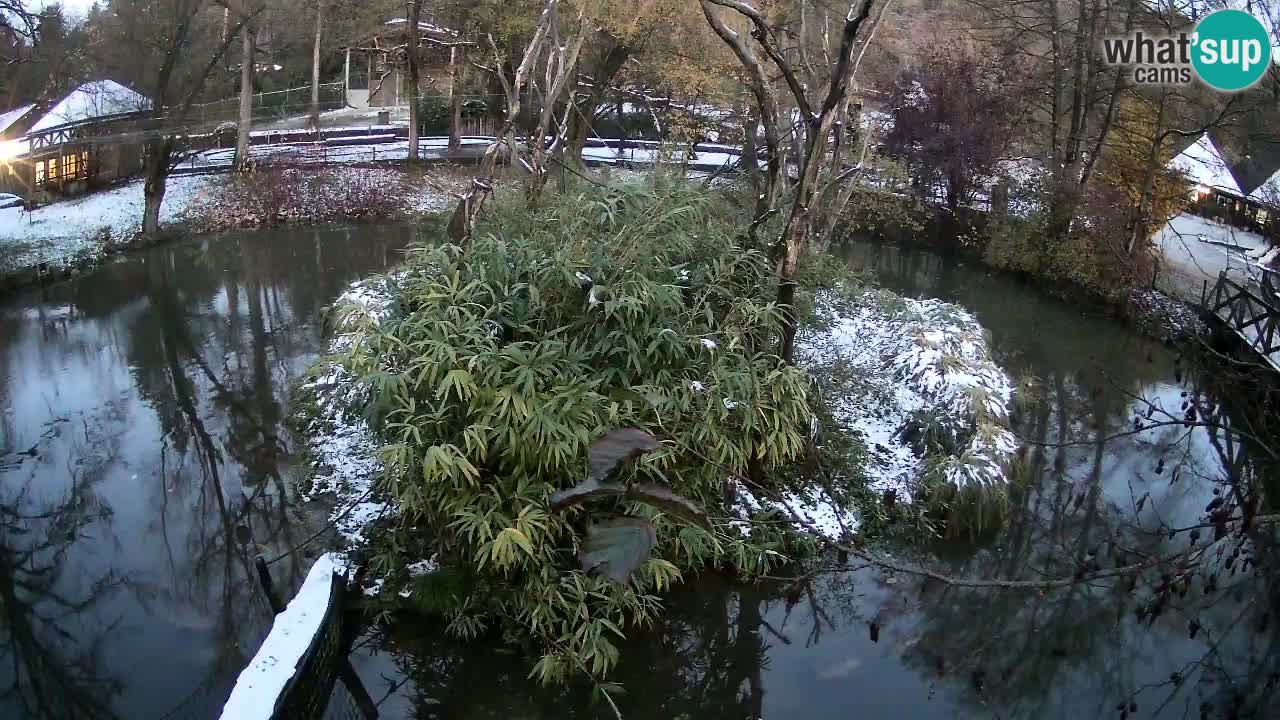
(144, 462)
(863, 644)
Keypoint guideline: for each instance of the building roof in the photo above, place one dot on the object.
(9, 118)
(1203, 164)
(1269, 191)
(91, 101)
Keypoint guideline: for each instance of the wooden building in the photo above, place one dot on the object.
(88, 139)
(375, 72)
(1248, 212)
(1244, 192)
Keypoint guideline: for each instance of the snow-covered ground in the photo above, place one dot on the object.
(379, 148)
(704, 160)
(65, 231)
(1164, 316)
(69, 232)
(1196, 250)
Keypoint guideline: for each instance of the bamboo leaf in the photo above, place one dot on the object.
(615, 548)
(584, 491)
(616, 447)
(667, 501)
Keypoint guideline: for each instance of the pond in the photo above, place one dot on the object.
(145, 461)
(864, 643)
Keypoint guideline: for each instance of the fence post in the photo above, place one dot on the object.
(264, 577)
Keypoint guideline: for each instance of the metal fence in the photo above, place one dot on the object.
(267, 106)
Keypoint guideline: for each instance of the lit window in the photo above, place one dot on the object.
(70, 166)
(40, 173)
(53, 168)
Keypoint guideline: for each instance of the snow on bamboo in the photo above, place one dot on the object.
(914, 367)
(343, 445)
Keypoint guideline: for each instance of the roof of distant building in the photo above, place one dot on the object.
(91, 101)
(9, 118)
(1203, 164)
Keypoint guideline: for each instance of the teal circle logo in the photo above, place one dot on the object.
(1231, 50)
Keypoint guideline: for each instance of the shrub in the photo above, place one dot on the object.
(631, 306)
(276, 194)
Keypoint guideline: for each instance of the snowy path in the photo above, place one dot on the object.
(1190, 262)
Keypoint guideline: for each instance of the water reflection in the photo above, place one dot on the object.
(860, 642)
(144, 462)
(50, 635)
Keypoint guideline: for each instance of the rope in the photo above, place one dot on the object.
(327, 528)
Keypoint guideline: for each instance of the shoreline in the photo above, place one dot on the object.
(351, 195)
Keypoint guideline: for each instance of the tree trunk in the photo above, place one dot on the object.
(457, 58)
(245, 123)
(750, 159)
(156, 174)
(315, 67)
(1068, 164)
(411, 53)
(582, 115)
(1142, 213)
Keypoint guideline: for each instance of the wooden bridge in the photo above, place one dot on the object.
(1251, 311)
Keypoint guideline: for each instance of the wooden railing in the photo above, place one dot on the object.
(292, 675)
(1252, 313)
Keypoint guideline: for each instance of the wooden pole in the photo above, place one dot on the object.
(268, 588)
(346, 79)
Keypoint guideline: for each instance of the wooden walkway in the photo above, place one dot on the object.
(1251, 311)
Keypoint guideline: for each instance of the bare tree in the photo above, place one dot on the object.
(177, 50)
(462, 223)
(22, 22)
(248, 40)
(315, 66)
(818, 131)
(411, 59)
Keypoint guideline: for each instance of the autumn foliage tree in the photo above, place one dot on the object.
(952, 119)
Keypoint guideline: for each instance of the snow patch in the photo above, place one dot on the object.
(62, 232)
(343, 445)
(915, 367)
(1165, 317)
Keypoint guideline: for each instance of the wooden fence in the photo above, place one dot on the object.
(1252, 313)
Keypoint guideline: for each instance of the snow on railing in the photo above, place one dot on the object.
(294, 648)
